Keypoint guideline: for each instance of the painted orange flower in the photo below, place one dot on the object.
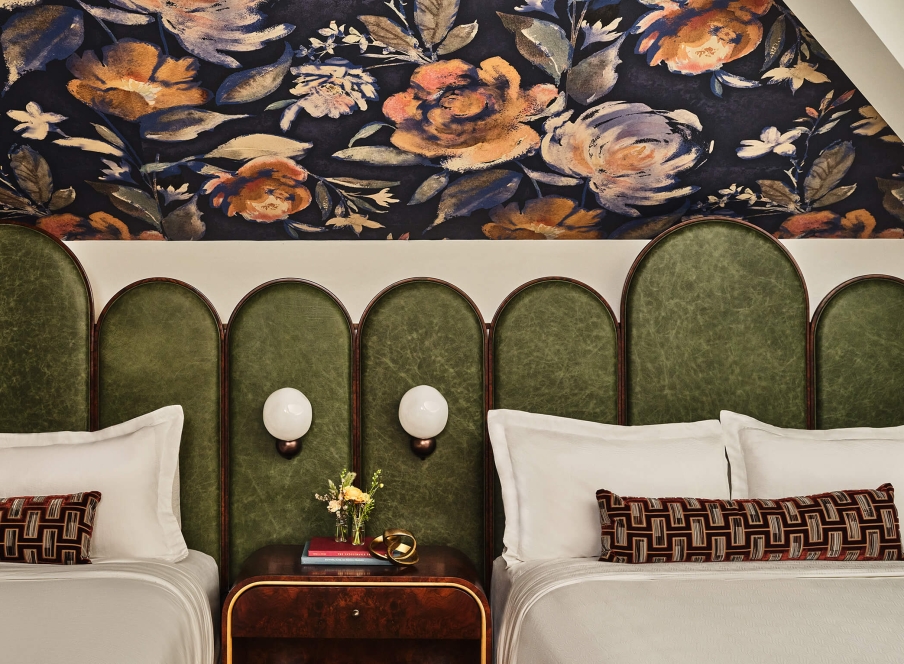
(264, 190)
(825, 224)
(471, 117)
(98, 226)
(700, 36)
(134, 80)
(547, 218)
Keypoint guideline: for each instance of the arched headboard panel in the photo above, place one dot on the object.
(425, 332)
(715, 316)
(46, 324)
(554, 346)
(287, 333)
(159, 343)
(859, 363)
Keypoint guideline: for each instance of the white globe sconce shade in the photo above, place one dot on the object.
(423, 413)
(287, 416)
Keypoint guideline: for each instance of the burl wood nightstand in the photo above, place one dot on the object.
(280, 611)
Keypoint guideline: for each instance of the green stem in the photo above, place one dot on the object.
(162, 34)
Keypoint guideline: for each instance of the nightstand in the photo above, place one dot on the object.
(280, 611)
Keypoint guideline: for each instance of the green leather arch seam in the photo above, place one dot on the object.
(286, 334)
(46, 321)
(159, 344)
(423, 332)
(715, 316)
(859, 361)
(555, 351)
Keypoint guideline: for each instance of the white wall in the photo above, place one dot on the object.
(488, 271)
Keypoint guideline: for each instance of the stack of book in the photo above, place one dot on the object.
(326, 551)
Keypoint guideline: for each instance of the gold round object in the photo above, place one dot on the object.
(401, 547)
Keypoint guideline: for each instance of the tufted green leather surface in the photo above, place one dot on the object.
(159, 344)
(425, 333)
(716, 318)
(555, 352)
(45, 335)
(859, 358)
(286, 335)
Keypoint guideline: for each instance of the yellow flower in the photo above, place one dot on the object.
(802, 71)
(354, 494)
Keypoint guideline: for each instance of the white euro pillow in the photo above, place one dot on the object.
(772, 462)
(550, 469)
(135, 466)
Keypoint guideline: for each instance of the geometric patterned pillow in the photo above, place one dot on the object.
(48, 529)
(841, 525)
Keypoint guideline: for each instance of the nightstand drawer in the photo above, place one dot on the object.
(356, 612)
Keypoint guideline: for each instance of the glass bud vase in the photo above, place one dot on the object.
(358, 526)
(341, 529)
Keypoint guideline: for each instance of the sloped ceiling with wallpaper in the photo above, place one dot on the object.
(433, 119)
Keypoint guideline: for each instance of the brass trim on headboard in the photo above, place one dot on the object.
(224, 435)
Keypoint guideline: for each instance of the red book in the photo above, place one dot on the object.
(327, 547)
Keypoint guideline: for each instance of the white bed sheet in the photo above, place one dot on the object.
(141, 612)
(567, 611)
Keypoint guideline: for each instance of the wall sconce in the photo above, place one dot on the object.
(423, 413)
(287, 416)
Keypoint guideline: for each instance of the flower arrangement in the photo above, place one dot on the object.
(348, 502)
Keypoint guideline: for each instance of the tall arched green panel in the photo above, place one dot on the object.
(158, 345)
(425, 333)
(555, 351)
(715, 316)
(286, 334)
(860, 355)
(46, 319)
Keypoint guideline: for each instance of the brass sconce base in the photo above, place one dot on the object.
(423, 447)
(288, 448)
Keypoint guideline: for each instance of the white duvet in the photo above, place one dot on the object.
(109, 613)
(569, 611)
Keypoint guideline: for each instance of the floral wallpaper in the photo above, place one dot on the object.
(432, 119)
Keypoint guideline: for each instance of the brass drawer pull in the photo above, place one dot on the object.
(355, 613)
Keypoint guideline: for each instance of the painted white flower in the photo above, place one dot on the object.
(333, 88)
(382, 197)
(116, 171)
(36, 124)
(771, 140)
(871, 124)
(545, 6)
(358, 223)
(333, 31)
(355, 37)
(171, 194)
(600, 34)
(796, 75)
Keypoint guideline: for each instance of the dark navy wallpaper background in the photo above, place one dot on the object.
(432, 119)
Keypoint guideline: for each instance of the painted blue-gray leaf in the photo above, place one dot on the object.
(112, 15)
(257, 83)
(543, 43)
(828, 169)
(33, 38)
(32, 173)
(459, 37)
(132, 201)
(735, 81)
(381, 155)
(476, 191)
(435, 18)
(595, 76)
(367, 130)
(181, 124)
(185, 222)
(252, 146)
(430, 188)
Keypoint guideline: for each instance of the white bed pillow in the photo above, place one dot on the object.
(550, 469)
(772, 462)
(135, 466)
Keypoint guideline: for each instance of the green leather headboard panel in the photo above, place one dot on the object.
(46, 318)
(159, 344)
(286, 334)
(859, 332)
(423, 332)
(555, 351)
(715, 317)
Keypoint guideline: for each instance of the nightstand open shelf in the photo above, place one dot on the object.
(282, 611)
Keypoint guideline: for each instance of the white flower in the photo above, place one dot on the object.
(382, 197)
(771, 140)
(355, 37)
(333, 88)
(334, 506)
(797, 74)
(171, 194)
(332, 31)
(871, 124)
(35, 122)
(545, 6)
(600, 34)
(114, 171)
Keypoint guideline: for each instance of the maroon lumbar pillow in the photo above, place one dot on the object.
(52, 530)
(841, 525)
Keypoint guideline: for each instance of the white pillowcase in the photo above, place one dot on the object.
(770, 462)
(550, 469)
(135, 466)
